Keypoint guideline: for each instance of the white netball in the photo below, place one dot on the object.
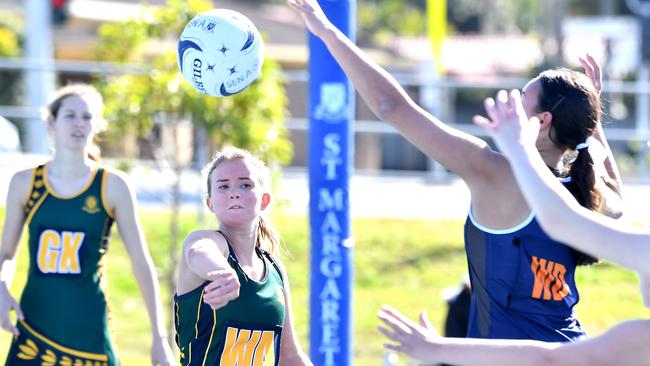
(220, 52)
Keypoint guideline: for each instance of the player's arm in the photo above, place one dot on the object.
(121, 199)
(563, 219)
(19, 187)
(559, 214)
(608, 177)
(593, 71)
(205, 251)
(204, 259)
(625, 344)
(291, 352)
(466, 155)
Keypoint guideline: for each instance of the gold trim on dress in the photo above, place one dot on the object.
(82, 354)
(81, 191)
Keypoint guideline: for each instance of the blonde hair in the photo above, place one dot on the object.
(267, 237)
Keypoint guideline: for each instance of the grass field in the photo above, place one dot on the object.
(404, 263)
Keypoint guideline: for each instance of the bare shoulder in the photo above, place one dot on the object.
(116, 179)
(118, 188)
(23, 177)
(495, 168)
(496, 183)
(208, 237)
(21, 184)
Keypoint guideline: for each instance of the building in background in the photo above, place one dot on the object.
(475, 64)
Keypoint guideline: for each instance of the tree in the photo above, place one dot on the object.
(10, 46)
(381, 20)
(253, 119)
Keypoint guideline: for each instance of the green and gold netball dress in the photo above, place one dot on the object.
(245, 332)
(63, 301)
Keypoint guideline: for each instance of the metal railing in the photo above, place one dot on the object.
(639, 132)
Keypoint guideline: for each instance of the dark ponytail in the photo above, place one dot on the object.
(583, 177)
(575, 106)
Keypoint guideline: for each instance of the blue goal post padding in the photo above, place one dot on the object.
(331, 151)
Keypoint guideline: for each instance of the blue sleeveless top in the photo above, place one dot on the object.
(523, 284)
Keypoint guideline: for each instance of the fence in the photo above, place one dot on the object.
(637, 130)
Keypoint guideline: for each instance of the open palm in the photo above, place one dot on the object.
(312, 14)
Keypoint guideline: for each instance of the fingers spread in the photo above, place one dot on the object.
(424, 320)
(592, 70)
(490, 108)
(503, 102)
(392, 312)
(388, 333)
(481, 121)
(587, 66)
(394, 347)
(594, 66)
(517, 104)
(400, 323)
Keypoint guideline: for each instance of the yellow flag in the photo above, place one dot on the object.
(437, 24)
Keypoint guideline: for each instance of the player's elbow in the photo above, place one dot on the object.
(388, 105)
(194, 252)
(383, 107)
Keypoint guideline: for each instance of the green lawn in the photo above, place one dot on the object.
(405, 263)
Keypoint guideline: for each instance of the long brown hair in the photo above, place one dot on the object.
(267, 236)
(574, 102)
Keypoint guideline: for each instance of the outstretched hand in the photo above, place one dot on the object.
(314, 17)
(223, 288)
(419, 341)
(508, 124)
(592, 70)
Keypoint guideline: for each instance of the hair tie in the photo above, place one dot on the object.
(582, 145)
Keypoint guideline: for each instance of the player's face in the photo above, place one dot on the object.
(530, 97)
(237, 198)
(73, 124)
